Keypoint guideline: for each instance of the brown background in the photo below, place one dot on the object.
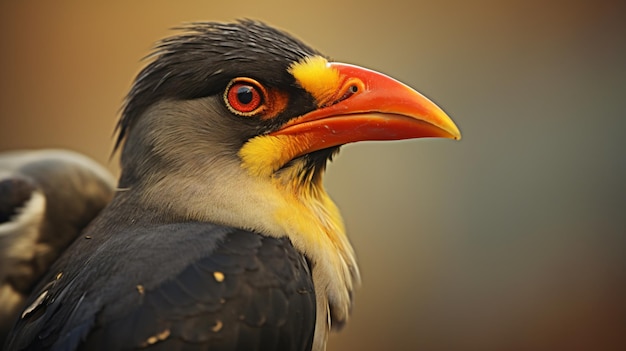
(512, 239)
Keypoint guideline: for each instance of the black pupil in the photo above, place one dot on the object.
(354, 89)
(245, 95)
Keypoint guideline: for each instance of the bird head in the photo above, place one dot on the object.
(247, 94)
(234, 124)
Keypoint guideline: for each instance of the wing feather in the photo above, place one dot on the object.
(246, 292)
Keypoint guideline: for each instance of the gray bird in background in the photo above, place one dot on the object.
(47, 197)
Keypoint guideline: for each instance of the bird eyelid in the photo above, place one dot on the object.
(245, 97)
(265, 103)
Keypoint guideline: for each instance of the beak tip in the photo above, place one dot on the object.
(451, 129)
(457, 135)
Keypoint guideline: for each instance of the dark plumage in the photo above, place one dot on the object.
(211, 287)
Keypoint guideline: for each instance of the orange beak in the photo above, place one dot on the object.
(369, 106)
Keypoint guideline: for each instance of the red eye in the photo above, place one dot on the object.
(244, 96)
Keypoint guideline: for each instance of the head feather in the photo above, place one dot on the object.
(202, 59)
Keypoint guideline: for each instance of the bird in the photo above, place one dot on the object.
(47, 197)
(221, 235)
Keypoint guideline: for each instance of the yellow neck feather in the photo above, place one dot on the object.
(314, 225)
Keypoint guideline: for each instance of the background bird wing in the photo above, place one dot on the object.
(248, 292)
(47, 197)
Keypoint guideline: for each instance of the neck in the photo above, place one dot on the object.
(314, 225)
(291, 203)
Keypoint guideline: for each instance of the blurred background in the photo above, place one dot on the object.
(512, 239)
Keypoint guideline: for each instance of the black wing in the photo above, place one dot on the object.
(192, 286)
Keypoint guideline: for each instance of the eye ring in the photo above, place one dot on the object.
(245, 97)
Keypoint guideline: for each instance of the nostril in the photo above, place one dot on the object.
(351, 90)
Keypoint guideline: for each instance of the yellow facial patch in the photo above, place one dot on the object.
(265, 154)
(319, 79)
